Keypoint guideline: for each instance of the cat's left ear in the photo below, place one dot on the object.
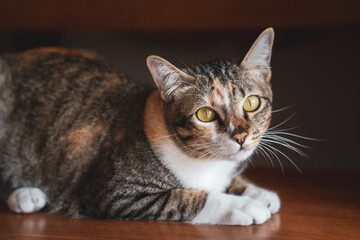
(257, 60)
(169, 79)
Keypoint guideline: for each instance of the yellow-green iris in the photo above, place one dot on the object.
(205, 114)
(252, 103)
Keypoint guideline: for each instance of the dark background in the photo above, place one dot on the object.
(315, 58)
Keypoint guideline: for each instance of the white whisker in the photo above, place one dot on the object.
(251, 162)
(262, 152)
(280, 124)
(285, 140)
(276, 156)
(287, 146)
(293, 135)
(277, 150)
(282, 109)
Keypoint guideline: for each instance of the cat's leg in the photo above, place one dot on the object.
(193, 206)
(241, 187)
(26, 200)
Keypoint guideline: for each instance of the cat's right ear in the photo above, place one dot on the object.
(257, 60)
(169, 79)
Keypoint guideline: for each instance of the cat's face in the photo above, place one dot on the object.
(218, 110)
(220, 116)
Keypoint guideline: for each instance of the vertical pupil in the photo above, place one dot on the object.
(251, 103)
(206, 114)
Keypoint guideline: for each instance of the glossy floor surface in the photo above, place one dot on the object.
(315, 205)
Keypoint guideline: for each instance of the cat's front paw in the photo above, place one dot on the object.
(26, 200)
(270, 199)
(227, 209)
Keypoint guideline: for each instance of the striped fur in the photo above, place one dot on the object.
(94, 143)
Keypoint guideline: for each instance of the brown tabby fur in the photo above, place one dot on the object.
(87, 135)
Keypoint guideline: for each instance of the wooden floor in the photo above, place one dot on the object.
(315, 205)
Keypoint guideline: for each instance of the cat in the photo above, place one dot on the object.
(81, 139)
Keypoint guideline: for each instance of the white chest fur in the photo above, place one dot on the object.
(207, 175)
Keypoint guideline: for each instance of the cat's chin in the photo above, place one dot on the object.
(240, 155)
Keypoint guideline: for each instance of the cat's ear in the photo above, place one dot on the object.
(257, 60)
(169, 79)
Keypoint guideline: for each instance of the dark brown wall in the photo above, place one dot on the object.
(171, 15)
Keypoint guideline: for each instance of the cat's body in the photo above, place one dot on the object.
(83, 138)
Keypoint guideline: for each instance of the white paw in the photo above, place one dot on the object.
(227, 209)
(270, 199)
(256, 210)
(26, 200)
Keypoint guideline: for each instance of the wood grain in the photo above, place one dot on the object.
(315, 205)
(164, 15)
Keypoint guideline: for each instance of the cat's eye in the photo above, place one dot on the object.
(205, 114)
(252, 103)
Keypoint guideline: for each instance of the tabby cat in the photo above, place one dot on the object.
(81, 139)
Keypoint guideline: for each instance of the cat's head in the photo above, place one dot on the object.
(219, 109)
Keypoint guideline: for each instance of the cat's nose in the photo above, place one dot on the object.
(240, 137)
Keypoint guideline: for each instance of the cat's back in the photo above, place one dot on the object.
(46, 80)
(48, 71)
(44, 87)
(57, 107)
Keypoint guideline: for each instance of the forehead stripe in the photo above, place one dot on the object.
(220, 93)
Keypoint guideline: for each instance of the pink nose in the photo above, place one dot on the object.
(240, 137)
